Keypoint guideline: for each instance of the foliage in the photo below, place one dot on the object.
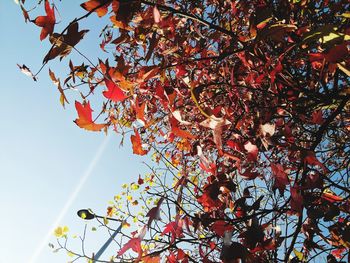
(244, 105)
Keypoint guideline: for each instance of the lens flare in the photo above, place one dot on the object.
(70, 200)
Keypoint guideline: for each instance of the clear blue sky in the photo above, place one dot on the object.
(43, 154)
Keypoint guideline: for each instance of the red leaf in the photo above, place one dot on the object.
(210, 197)
(140, 181)
(338, 253)
(85, 117)
(281, 177)
(46, 22)
(181, 182)
(137, 144)
(216, 124)
(311, 159)
(334, 55)
(249, 175)
(175, 230)
(134, 244)
(25, 14)
(180, 71)
(316, 57)
(317, 117)
(98, 6)
(220, 227)
(276, 71)
(268, 244)
(113, 92)
(180, 256)
(337, 53)
(296, 201)
(234, 145)
(154, 213)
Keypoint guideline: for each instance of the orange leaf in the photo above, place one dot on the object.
(137, 144)
(98, 6)
(119, 24)
(178, 131)
(331, 197)
(140, 111)
(46, 22)
(85, 117)
(151, 259)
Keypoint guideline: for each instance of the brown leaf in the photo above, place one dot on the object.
(62, 44)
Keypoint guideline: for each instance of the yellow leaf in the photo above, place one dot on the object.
(125, 224)
(331, 36)
(58, 232)
(345, 15)
(134, 187)
(319, 33)
(65, 229)
(126, 85)
(117, 75)
(62, 99)
(83, 215)
(344, 69)
(299, 255)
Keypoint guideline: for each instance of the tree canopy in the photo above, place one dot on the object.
(244, 108)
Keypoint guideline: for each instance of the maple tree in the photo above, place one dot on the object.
(244, 105)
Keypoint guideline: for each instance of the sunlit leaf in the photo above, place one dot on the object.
(85, 117)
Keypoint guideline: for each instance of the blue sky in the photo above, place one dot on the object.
(43, 154)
